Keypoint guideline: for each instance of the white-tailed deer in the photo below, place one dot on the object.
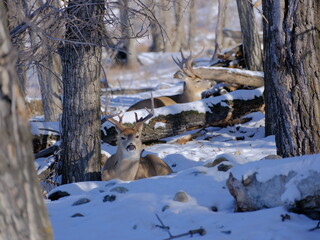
(127, 163)
(192, 89)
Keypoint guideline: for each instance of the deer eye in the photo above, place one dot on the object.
(137, 136)
(123, 138)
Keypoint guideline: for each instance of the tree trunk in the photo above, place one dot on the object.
(179, 25)
(50, 89)
(48, 75)
(250, 36)
(292, 75)
(81, 103)
(218, 42)
(22, 211)
(16, 15)
(192, 24)
(128, 35)
(158, 40)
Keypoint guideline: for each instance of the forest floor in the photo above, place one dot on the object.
(145, 209)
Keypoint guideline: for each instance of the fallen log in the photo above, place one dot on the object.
(294, 183)
(231, 75)
(179, 118)
(46, 152)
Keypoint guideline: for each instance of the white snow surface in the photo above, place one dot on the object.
(120, 210)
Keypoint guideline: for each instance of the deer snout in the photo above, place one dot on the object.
(131, 147)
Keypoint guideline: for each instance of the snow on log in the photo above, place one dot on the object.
(231, 75)
(290, 182)
(176, 119)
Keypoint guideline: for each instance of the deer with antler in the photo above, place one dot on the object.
(127, 163)
(192, 88)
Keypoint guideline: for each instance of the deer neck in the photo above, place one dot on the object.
(127, 165)
(189, 94)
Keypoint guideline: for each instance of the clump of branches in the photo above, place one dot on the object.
(43, 25)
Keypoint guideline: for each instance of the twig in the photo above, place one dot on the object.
(164, 227)
(316, 227)
(199, 231)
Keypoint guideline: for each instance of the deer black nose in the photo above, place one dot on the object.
(131, 147)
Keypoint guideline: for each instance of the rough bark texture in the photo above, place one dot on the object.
(81, 103)
(16, 15)
(292, 75)
(22, 211)
(250, 36)
(219, 114)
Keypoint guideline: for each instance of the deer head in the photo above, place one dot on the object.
(127, 163)
(129, 139)
(193, 84)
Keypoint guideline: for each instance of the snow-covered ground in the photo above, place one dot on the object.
(146, 209)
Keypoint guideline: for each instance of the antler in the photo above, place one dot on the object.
(117, 124)
(185, 64)
(140, 121)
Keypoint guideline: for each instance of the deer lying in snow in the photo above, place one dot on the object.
(192, 88)
(127, 163)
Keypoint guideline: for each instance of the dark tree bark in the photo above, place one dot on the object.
(250, 36)
(292, 75)
(22, 211)
(81, 104)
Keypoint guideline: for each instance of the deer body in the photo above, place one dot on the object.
(127, 164)
(192, 88)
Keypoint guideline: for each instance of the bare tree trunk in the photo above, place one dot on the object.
(22, 211)
(157, 41)
(161, 27)
(250, 36)
(81, 103)
(128, 34)
(50, 89)
(48, 77)
(179, 25)
(292, 75)
(192, 23)
(16, 15)
(220, 24)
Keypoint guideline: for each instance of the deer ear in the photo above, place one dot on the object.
(139, 126)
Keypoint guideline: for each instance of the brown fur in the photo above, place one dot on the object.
(127, 164)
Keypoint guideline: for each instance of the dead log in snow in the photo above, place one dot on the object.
(297, 189)
(231, 75)
(176, 119)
